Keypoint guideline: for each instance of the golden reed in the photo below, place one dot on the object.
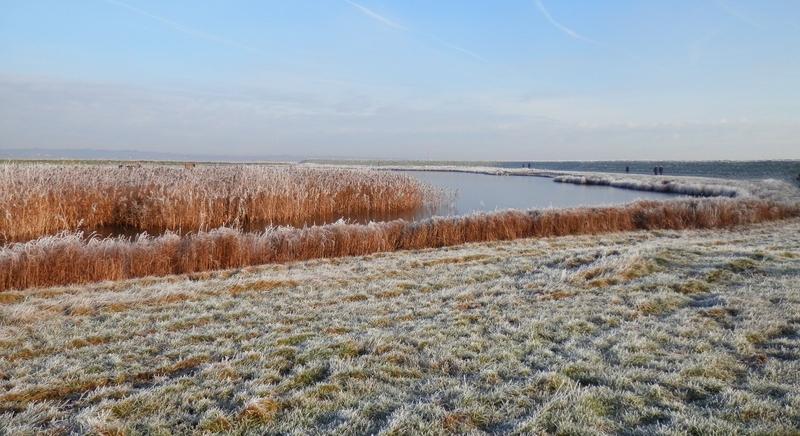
(45, 199)
(71, 259)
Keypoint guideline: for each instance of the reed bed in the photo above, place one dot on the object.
(70, 258)
(45, 199)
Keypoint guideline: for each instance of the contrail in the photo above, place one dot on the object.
(178, 27)
(389, 23)
(375, 16)
(569, 32)
(726, 7)
(451, 46)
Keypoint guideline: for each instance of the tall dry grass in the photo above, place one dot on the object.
(70, 258)
(44, 199)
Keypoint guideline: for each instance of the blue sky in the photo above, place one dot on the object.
(515, 79)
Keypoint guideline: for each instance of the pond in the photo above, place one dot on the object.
(482, 192)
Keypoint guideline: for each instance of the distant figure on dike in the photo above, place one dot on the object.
(627, 169)
(655, 171)
(660, 171)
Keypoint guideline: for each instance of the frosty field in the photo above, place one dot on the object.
(659, 331)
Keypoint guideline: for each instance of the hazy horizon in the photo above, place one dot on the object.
(522, 80)
(140, 155)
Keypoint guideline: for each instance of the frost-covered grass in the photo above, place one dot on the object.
(638, 332)
(658, 185)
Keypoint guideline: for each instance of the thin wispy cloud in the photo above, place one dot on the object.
(182, 28)
(397, 26)
(736, 13)
(457, 48)
(564, 29)
(697, 48)
(376, 16)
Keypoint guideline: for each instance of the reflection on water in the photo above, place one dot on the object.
(470, 193)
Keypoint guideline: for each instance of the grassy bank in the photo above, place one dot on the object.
(658, 331)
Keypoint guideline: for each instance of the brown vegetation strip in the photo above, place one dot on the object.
(70, 259)
(39, 200)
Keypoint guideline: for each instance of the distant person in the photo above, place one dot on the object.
(660, 171)
(627, 169)
(655, 171)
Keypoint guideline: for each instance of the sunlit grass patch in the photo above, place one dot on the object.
(614, 270)
(262, 409)
(261, 286)
(355, 298)
(691, 286)
(721, 367)
(583, 373)
(660, 304)
(305, 377)
(772, 331)
(294, 340)
(338, 330)
(741, 265)
(215, 421)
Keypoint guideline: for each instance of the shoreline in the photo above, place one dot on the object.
(772, 189)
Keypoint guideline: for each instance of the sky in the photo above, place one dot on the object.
(412, 79)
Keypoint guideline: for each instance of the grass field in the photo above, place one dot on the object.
(657, 331)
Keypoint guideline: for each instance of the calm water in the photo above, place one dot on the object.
(480, 192)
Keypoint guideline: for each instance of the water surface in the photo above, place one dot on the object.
(482, 192)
